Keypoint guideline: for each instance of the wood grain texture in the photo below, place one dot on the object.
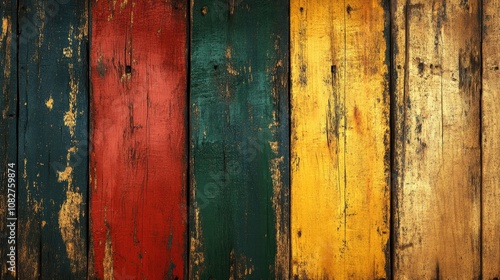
(53, 170)
(491, 140)
(437, 175)
(8, 122)
(139, 145)
(239, 140)
(340, 139)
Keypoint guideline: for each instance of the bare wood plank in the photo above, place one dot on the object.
(437, 145)
(491, 140)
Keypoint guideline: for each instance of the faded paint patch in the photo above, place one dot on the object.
(107, 262)
(70, 115)
(282, 248)
(49, 103)
(69, 219)
(6, 29)
(196, 245)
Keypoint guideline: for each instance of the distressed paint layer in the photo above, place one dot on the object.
(138, 159)
(239, 140)
(53, 211)
(8, 122)
(490, 139)
(340, 140)
(437, 153)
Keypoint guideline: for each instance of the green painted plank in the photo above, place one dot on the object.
(8, 134)
(239, 140)
(53, 132)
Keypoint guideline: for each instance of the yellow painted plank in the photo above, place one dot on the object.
(437, 139)
(491, 140)
(340, 139)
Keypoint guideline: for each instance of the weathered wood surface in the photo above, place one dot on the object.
(491, 140)
(139, 160)
(239, 140)
(8, 122)
(437, 171)
(53, 170)
(340, 139)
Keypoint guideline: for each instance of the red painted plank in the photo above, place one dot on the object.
(138, 158)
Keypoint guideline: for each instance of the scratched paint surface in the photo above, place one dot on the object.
(53, 170)
(8, 133)
(491, 142)
(138, 160)
(340, 138)
(437, 139)
(239, 140)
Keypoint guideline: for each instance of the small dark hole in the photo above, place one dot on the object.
(128, 69)
(349, 9)
(420, 67)
(496, 69)
(399, 66)
(431, 66)
(299, 233)
(216, 67)
(333, 69)
(301, 9)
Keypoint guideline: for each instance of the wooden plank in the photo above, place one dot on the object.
(53, 168)
(437, 78)
(490, 140)
(239, 140)
(139, 147)
(340, 139)
(8, 136)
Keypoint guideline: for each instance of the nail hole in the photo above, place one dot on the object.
(301, 9)
(333, 69)
(299, 233)
(128, 69)
(496, 69)
(216, 67)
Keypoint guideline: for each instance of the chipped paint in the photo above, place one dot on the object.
(68, 52)
(5, 27)
(49, 103)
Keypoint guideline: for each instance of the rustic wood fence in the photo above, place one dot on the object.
(250, 139)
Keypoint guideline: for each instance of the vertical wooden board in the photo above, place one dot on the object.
(8, 129)
(491, 141)
(437, 60)
(139, 149)
(239, 140)
(53, 101)
(340, 139)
